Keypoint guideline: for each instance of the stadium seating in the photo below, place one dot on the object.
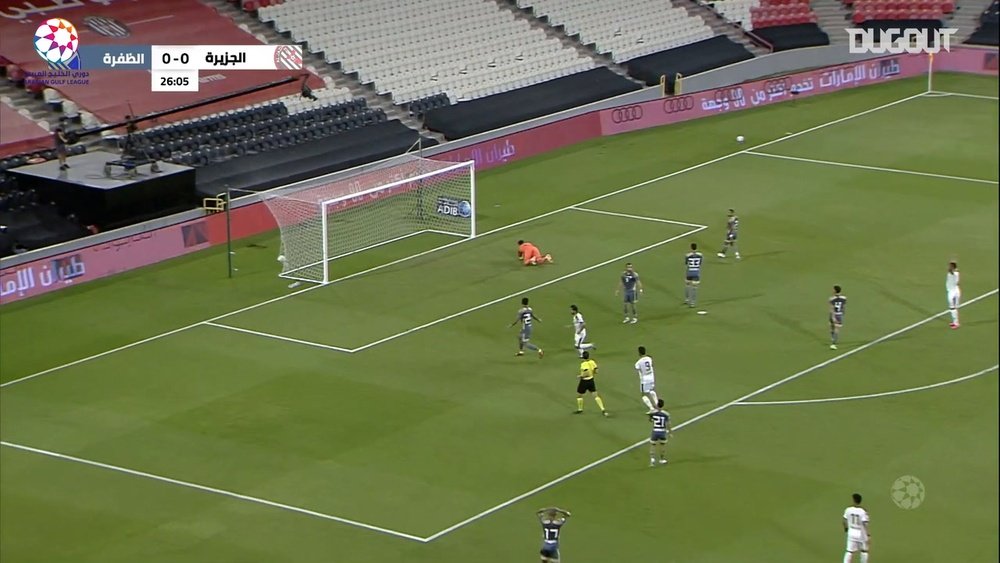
(415, 49)
(772, 13)
(689, 59)
(867, 10)
(27, 223)
(286, 122)
(485, 114)
(737, 11)
(989, 23)
(623, 29)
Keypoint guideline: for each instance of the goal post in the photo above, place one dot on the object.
(321, 221)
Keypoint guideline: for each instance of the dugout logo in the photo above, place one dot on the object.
(454, 207)
(678, 105)
(626, 114)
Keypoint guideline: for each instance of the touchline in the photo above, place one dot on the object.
(898, 41)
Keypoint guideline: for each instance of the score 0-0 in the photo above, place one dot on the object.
(174, 69)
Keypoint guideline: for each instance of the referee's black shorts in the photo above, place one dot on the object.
(586, 385)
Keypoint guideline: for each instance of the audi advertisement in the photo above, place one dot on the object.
(675, 109)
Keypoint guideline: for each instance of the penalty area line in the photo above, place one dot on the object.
(639, 217)
(701, 416)
(277, 337)
(527, 289)
(873, 168)
(870, 395)
(213, 490)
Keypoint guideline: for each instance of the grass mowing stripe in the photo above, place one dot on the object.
(213, 490)
(701, 416)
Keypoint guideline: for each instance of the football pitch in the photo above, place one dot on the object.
(173, 414)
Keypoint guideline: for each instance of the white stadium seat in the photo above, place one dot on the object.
(413, 49)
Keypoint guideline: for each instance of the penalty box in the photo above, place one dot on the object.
(362, 312)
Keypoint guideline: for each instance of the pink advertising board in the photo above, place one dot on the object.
(98, 261)
(675, 109)
(95, 262)
(527, 143)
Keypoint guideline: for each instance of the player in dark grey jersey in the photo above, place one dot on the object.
(838, 308)
(658, 438)
(631, 287)
(732, 234)
(525, 316)
(692, 275)
(552, 520)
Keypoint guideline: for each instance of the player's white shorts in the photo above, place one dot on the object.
(647, 385)
(579, 338)
(954, 297)
(856, 545)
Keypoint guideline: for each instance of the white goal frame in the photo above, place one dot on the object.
(329, 208)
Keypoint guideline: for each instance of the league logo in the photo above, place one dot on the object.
(58, 43)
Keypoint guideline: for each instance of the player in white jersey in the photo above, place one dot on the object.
(647, 379)
(951, 283)
(856, 527)
(580, 332)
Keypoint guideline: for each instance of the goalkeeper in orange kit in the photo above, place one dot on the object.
(530, 254)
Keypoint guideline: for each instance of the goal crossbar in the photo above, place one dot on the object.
(324, 222)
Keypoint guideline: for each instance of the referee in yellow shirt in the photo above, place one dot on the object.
(586, 384)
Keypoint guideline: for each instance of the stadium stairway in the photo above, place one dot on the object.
(833, 17)
(269, 35)
(720, 26)
(559, 32)
(966, 17)
(19, 98)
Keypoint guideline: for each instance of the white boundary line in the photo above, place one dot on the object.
(701, 416)
(497, 230)
(505, 504)
(213, 490)
(961, 95)
(278, 337)
(695, 229)
(532, 288)
(870, 395)
(639, 217)
(873, 168)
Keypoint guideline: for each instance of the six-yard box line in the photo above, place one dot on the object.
(692, 229)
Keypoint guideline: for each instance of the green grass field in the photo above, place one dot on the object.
(433, 443)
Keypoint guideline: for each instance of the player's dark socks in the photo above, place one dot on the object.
(531, 346)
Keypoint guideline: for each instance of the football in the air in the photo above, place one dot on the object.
(740, 139)
(281, 258)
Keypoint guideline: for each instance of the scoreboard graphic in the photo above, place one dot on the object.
(173, 68)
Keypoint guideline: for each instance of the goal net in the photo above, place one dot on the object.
(321, 221)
